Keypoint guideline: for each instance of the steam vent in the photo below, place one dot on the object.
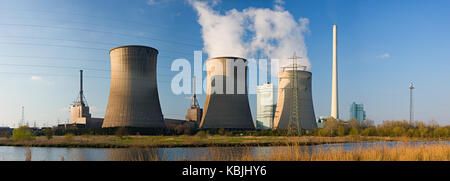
(133, 96)
(305, 107)
(227, 109)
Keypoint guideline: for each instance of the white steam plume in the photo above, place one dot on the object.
(253, 33)
(221, 33)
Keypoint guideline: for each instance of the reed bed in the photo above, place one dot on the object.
(401, 151)
(376, 152)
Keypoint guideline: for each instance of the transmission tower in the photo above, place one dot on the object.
(411, 108)
(22, 119)
(294, 127)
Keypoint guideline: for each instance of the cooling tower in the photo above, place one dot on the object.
(227, 107)
(133, 97)
(304, 104)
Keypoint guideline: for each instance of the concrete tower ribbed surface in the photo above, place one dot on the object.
(225, 109)
(305, 103)
(133, 97)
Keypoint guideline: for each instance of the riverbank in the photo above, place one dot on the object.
(195, 141)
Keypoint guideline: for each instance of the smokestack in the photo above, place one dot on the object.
(334, 83)
(81, 87)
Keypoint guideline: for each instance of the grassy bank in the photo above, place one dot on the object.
(191, 141)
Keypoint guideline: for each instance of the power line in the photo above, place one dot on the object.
(117, 20)
(75, 59)
(98, 31)
(74, 40)
(153, 26)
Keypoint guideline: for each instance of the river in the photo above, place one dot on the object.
(12, 153)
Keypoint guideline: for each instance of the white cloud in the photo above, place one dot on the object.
(384, 56)
(40, 79)
(64, 109)
(253, 32)
(156, 2)
(151, 2)
(279, 5)
(34, 77)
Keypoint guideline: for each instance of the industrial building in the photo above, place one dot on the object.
(194, 113)
(265, 107)
(357, 112)
(133, 98)
(222, 108)
(79, 111)
(321, 121)
(303, 106)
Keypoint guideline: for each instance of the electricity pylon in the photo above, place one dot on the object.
(294, 127)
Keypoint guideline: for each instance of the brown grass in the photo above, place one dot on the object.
(377, 152)
(28, 154)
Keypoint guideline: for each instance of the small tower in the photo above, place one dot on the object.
(194, 113)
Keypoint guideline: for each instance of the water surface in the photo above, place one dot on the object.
(12, 153)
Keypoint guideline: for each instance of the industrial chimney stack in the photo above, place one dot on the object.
(81, 88)
(334, 84)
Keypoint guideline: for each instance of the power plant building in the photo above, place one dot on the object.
(304, 106)
(265, 107)
(133, 98)
(194, 113)
(79, 111)
(227, 107)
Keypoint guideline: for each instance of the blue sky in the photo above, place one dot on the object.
(382, 46)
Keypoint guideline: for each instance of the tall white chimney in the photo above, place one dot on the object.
(334, 84)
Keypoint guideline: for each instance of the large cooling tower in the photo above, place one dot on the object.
(305, 107)
(227, 108)
(133, 96)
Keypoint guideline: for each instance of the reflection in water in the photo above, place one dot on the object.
(136, 154)
(12, 153)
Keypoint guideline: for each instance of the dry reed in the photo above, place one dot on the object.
(376, 152)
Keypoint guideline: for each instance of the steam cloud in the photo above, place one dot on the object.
(253, 33)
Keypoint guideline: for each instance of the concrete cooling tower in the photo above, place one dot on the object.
(133, 96)
(224, 108)
(304, 101)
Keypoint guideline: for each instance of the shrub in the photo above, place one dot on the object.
(221, 131)
(121, 132)
(201, 134)
(68, 136)
(354, 123)
(398, 131)
(354, 132)
(6, 134)
(48, 134)
(22, 133)
(341, 131)
(330, 127)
